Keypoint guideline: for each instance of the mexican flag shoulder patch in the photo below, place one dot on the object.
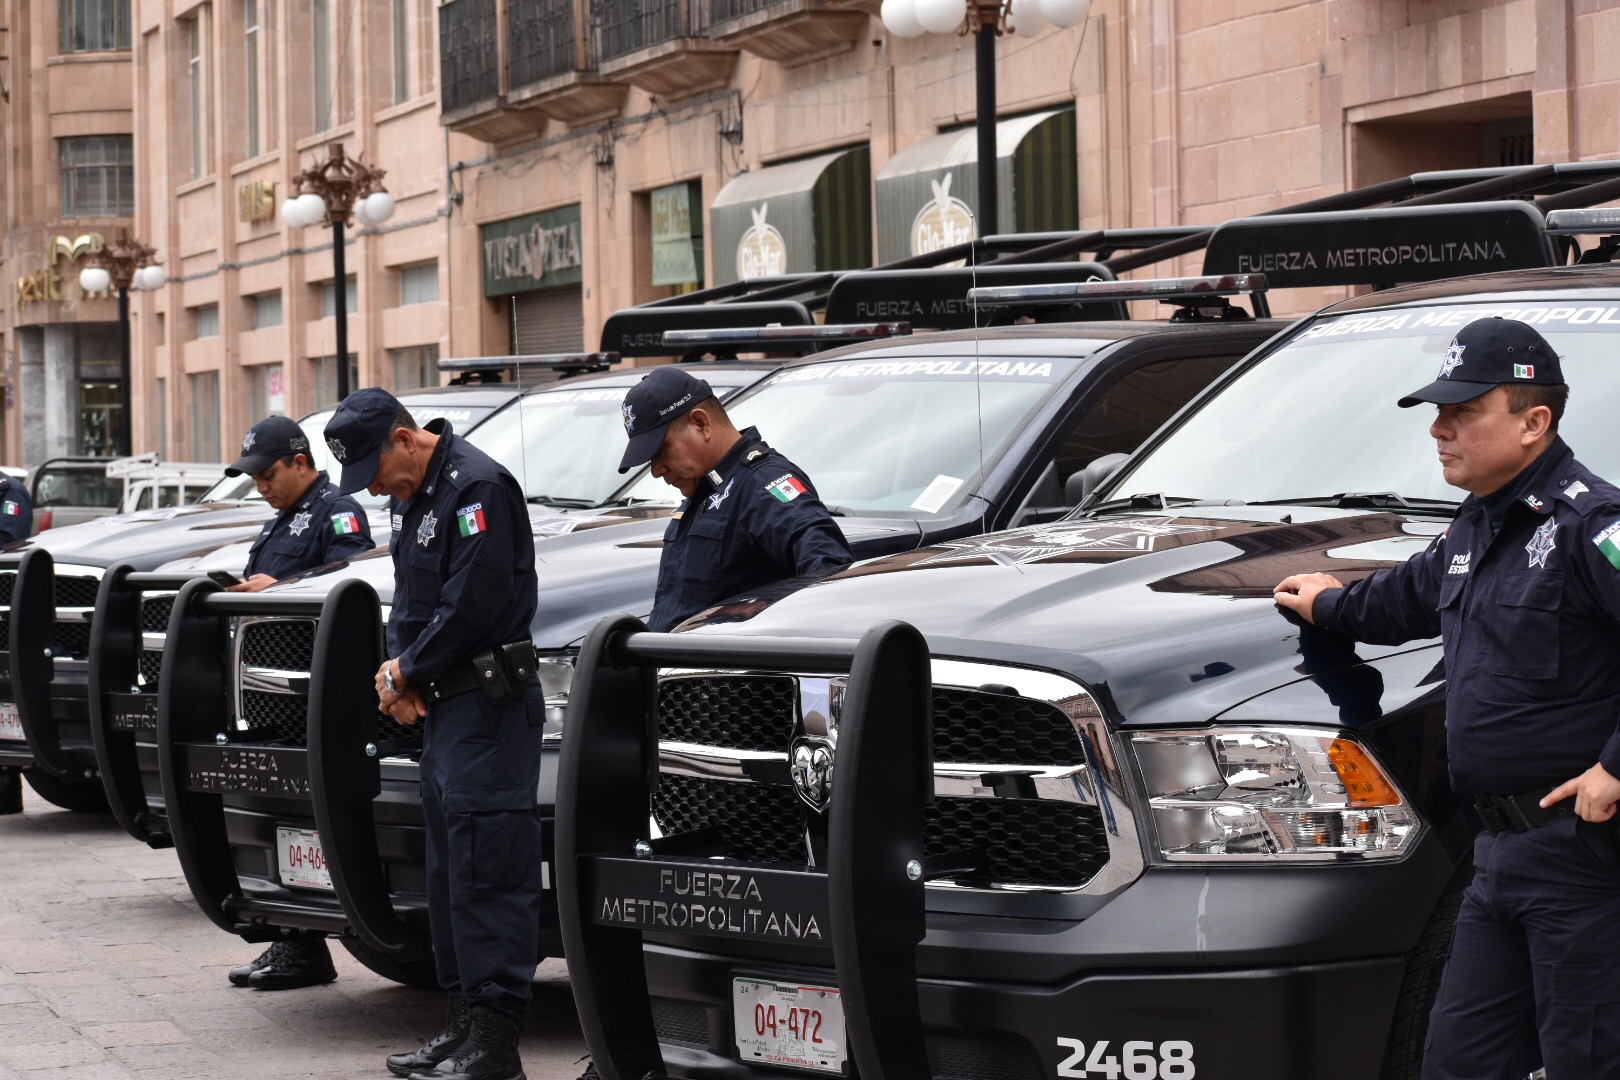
(1608, 542)
(12, 508)
(345, 523)
(470, 519)
(785, 488)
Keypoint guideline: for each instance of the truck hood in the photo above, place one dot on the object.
(1166, 616)
(151, 538)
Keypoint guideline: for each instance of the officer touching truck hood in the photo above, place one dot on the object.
(1524, 591)
(750, 516)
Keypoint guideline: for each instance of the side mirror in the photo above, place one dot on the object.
(1077, 487)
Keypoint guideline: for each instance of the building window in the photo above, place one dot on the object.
(94, 25)
(326, 381)
(197, 90)
(204, 416)
(322, 72)
(97, 176)
(207, 321)
(162, 418)
(160, 331)
(267, 391)
(402, 52)
(415, 367)
(419, 284)
(266, 310)
(351, 294)
(250, 69)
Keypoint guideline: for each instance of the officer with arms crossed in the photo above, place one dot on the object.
(750, 516)
(461, 656)
(1524, 591)
(314, 526)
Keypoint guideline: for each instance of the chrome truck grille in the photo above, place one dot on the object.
(155, 611)
(76, 588)
(1024, 773)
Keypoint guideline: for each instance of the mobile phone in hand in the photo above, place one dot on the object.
(224, 577)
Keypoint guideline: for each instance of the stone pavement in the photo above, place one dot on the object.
(108, 971)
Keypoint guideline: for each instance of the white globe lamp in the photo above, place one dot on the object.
(1065, 13)
(379, 206)
(900, 18)
(93, 279)
(1025, 18)
(940, 16)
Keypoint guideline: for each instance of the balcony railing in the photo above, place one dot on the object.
(541, 41)
(712, 12)
(469, 54)
(627, 26)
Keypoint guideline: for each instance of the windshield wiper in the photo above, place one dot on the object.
(633, 500)
(1366, 500)
(1153, 500)
(557, 500)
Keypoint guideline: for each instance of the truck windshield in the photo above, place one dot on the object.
(892, 436)
(1317, 417)
(86, 485)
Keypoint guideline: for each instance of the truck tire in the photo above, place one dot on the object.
(417, 973)
(1403, 1056)
(86, 796)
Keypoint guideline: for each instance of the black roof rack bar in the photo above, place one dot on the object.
(556, 361)
(819, 281)
(1601, 191)
(1496, 187)
(1100, 240)
(782, 336)
(1182, 290)
(734, 289)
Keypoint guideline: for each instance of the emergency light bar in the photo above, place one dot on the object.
(569, 361)
(787, 335)
(1584, 222)
(1167, 289)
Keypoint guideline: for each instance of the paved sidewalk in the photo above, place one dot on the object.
(109, 971)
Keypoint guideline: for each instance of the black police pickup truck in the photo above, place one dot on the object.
(1096, 807)
(48, 589)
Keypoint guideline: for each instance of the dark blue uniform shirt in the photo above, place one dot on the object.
(755, 519)
(1530, 619)
(463, 562)
(321, 527)
(16, 510)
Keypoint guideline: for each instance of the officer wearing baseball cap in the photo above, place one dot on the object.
(313, 526)
(750, 516)
(1524, 591)
(460, 657)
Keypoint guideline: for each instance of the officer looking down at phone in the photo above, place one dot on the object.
(314, 525)
(750, 516)
(461, 659)
(1524, 591)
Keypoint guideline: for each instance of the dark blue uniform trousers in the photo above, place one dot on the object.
(480, 771)
(1534, 976)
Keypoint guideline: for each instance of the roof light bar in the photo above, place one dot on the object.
(779, 335)
(1604, 222)
(533, 360)
(1070, 292)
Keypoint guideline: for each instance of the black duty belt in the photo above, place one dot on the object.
(498, 671)
(1521, 812)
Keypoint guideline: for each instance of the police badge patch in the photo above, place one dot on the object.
(336, 446)
(1542, 544)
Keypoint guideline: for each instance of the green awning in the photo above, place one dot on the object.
(797, 217)
(928, 193)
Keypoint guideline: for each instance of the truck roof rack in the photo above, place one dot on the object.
(489, 369)
(1198, 298)
(1603, 222)
(726, 342)
(937, 297)
(639, 331)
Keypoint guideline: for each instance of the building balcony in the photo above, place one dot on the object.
(791, 32)
(551, 66)
(658, 46)
(470, 92)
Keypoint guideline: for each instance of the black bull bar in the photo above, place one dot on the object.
(337, 770)
(868, 898)
(29, 664)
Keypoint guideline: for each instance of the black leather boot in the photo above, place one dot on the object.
(240, 974)
(301, 960)
(440, 1046)
(490, 1052)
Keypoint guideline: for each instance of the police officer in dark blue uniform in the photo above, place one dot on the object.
(314, 525)
(16, 510)
(461, 657)
(1524, 591)
(750, 516)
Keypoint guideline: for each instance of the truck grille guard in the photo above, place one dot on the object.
(867, 900)
(337, 770)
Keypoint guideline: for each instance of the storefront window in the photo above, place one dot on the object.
(415, 367)
(677, 236)
(267, 392)
(101, 425)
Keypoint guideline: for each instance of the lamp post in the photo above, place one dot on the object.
(126, 263)
(333, 192)
(986, 20)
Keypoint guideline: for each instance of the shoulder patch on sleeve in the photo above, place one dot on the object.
(470, 520)
(1608, 543)
(345, 523)
(785, 488)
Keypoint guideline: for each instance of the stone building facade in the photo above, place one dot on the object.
(554, 160)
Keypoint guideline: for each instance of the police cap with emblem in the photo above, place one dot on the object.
(665, 395)
(1485, 354)
(356, 434)
(266, 443)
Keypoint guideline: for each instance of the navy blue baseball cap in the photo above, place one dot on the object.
(665, 395)
(356, 434)
(266, 443)
(1486, 354)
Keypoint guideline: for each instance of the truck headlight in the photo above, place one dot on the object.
(556, 679)
(1270, 793)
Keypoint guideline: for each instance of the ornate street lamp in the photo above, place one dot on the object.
(333, 192)
(988, 20)
(126, 264)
